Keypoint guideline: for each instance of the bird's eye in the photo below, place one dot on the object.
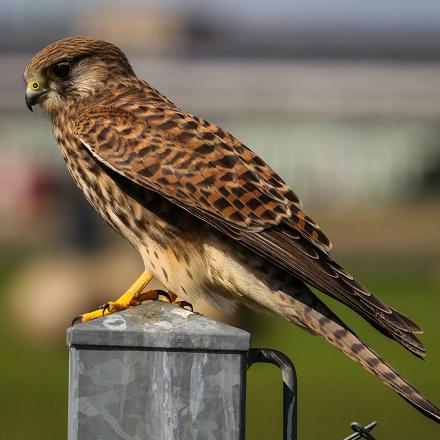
(60, 71)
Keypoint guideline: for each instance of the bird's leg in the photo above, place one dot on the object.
(132, 296)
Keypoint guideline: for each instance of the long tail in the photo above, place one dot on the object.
(307, 310)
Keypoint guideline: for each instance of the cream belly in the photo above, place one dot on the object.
(219, 271)
(216, 272)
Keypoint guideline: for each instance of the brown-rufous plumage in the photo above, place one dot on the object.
(208, 216)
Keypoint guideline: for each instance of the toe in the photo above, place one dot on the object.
(99, 313)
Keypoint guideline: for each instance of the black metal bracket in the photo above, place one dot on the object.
(269, 356)
(290, 391)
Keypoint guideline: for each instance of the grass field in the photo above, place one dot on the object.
(333, 391)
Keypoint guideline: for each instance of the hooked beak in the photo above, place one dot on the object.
(33, 97)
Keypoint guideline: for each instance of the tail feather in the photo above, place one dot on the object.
(357, 350)
(315, 315)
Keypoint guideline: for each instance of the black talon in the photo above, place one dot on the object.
(184, 304)
(166, 294)
(104, 307)
(76, 320)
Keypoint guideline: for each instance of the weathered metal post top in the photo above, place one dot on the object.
(158, 372)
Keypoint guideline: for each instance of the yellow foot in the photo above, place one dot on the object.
(133, 296)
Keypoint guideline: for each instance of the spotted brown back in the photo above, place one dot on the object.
(198, 164)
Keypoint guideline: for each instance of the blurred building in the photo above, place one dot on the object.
(351, 92)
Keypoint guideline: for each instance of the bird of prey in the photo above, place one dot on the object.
(208, 216)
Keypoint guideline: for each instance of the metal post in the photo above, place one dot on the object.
(157, 372)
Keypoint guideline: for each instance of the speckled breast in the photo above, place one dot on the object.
(164, 234)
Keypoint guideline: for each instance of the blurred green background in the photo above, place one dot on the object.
(341, 98)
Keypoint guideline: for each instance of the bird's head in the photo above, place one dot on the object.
(72, 69)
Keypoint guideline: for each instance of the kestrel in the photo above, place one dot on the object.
(209, 217)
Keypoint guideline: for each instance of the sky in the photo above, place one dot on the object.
(369, 24)
(373, 13)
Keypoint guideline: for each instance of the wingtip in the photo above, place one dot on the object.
(410, 325)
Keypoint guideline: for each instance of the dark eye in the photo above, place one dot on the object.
(60, 70)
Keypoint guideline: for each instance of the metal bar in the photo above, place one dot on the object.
(361, 431)
(269, 356)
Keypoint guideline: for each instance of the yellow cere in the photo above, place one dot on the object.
(33, 85)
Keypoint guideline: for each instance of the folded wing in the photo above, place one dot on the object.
(209, 173)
